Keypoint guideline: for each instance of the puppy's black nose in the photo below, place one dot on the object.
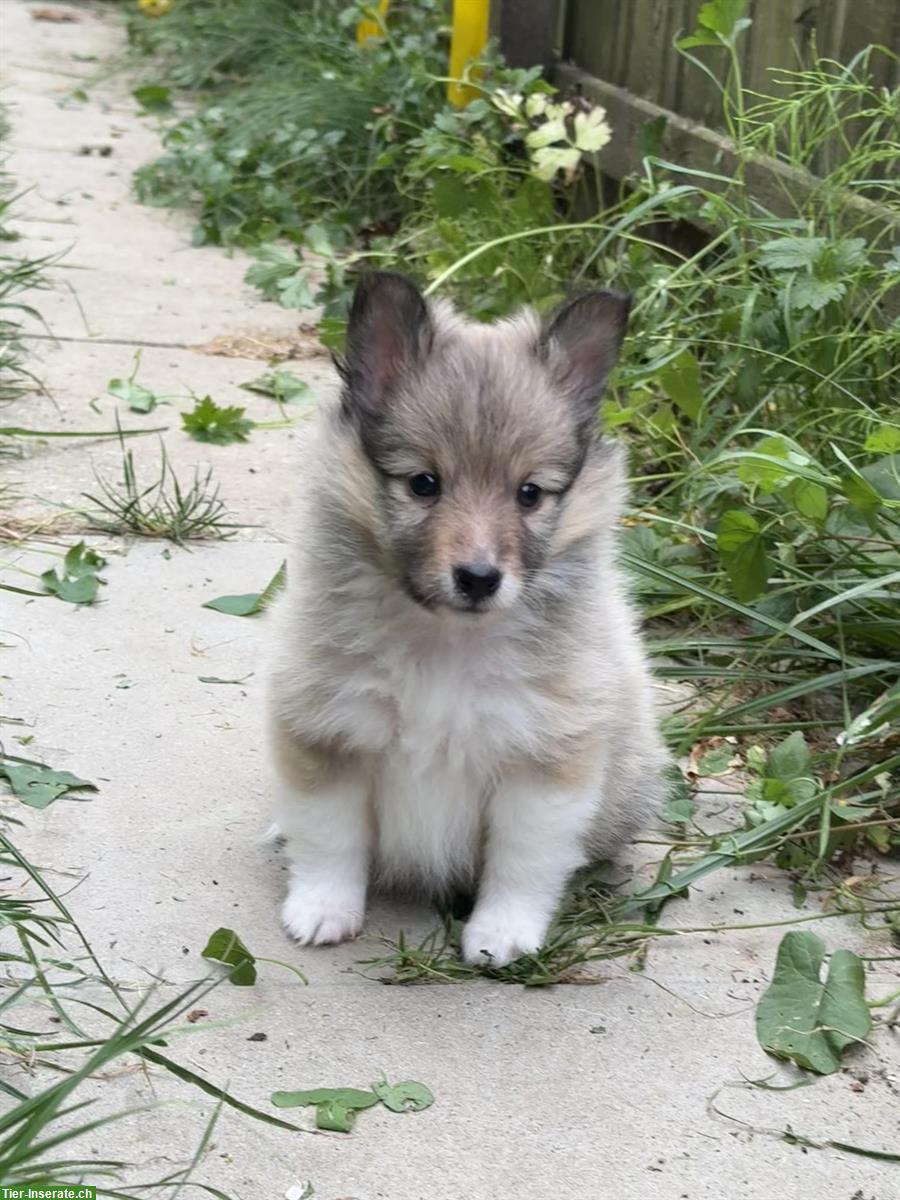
(476, 581)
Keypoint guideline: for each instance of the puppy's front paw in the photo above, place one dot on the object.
(497, 938)
(316, 920)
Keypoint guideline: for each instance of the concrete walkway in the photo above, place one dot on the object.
(571, 1093)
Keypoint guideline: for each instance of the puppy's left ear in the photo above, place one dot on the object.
(388, 336)
(580, 346)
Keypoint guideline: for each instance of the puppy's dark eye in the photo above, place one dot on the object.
(529, 495)
(425, 485)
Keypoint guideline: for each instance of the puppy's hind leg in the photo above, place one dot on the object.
(322, 812)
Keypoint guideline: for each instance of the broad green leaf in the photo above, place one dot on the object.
(792, 253)
(715, 762)
(809, 499)
(649, 141)
(139, 399)
(80, 579)
(154, 98)
(790, 759)
(236, 606)
(679, 807)
(718, 22)
(81, 561)
(224, 946)
(407, 1096)
(37, 785)
(273, 264)
(334, 1116)
(251, 603)
(208, 422)
(847, 255)
(283, 386)
(680, 380)
(801, 1018)
(317, 239)
(807, 291)
(296, 292)
(861, 494)
(355, 1098)
(883, 440)
(741, 550)
(762, 471)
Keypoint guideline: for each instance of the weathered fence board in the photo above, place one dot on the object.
(629, 43)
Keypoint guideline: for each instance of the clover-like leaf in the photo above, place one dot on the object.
(79, 581)
(336, 1108)
(406, 1096)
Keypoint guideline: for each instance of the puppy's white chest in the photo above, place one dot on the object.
(455, 717)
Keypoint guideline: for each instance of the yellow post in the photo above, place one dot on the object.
(470, 35)
(372, 28)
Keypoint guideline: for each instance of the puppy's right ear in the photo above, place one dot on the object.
(388, 336)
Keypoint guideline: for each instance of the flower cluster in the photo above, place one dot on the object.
(559, 132)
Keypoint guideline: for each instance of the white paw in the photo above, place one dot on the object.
(314, 919)
(497, 938)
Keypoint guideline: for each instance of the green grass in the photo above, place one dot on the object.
(297, 120)
(756, 391)
(165, 508)
(52, 971)
(18, 274)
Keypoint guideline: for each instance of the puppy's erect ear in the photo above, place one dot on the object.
(388, 335)
(580, 346)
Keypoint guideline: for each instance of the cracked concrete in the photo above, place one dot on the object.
(577, 1091)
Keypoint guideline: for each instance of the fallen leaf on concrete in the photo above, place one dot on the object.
(136, 396)
(80, 579)
(251, 603)
(336, 1108)
(283, 386)
(38, 785)
(801, 1018)
(225, 947)
(407, 1096)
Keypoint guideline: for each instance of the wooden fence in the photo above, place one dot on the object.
(628, 43)
(620, 53)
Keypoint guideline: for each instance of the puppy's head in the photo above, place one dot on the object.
(483, 438)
